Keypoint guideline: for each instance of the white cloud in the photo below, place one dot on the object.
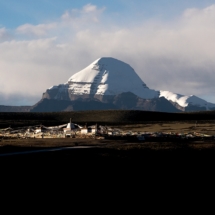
(200, 13)
(35, 30)
(90, 8)
(4, 34)
(177, 56)
(89, 13)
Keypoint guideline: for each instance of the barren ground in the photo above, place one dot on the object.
(118, 149)
(145, 168)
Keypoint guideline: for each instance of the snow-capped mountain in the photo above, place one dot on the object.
(185, 101)
(106, 78)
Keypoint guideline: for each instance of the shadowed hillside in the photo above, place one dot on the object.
(99, 116)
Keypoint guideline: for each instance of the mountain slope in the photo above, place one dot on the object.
(123, 101)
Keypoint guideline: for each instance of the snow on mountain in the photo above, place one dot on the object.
(184, 101)
(109, 77)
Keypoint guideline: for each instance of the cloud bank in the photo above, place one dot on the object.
(176, 55)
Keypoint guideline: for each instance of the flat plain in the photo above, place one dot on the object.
(123, 148)
(128, 152)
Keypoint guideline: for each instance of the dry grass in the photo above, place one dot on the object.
(176, 127)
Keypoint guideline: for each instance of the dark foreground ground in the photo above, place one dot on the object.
(171, 174)
(105, 151)
(148, 168)
(173, 171)
(190, 161)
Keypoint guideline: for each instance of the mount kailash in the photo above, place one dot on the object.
(108, 83)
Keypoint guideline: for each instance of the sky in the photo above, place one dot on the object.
(169, 43)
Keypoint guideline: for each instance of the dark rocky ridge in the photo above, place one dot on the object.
(123, 101)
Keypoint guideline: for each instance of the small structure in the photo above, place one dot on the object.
(38, 130)
(71, 129)
(92, 129)
(70, 133)
(84, 131)
(70, 126)
(89, 130)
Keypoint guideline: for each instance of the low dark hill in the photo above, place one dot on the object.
(100, 116)
(6, 108)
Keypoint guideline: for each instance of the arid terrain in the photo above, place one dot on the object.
(115, 153)
(120, 149)
(152, 163)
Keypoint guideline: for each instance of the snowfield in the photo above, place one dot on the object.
(184, 101)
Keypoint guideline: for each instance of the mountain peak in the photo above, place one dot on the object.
(109, 76)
